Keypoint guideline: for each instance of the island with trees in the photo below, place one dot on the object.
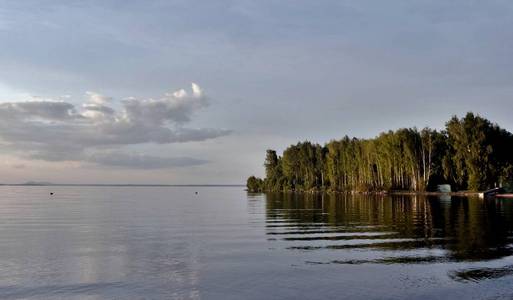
(470, 154)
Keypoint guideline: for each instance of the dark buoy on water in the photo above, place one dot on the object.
(51, 193)
(196, 193)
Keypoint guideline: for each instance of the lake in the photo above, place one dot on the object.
(223, 243)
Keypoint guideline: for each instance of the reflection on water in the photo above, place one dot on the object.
(370, 229)
(481, 273)
(223, 243)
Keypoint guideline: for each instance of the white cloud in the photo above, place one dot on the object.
(58, 131)
(98, 99)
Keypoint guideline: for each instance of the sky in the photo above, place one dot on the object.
(194, 92)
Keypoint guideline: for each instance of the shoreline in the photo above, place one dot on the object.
(384, 193)
(398, 193)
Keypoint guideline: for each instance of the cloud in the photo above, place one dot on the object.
(59, 131)
(46, 110)
(175, 107)
(142, 161)
(99, 99)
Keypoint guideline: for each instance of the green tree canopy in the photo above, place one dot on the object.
(471, 153)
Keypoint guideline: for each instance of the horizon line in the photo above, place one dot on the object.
(120, 184)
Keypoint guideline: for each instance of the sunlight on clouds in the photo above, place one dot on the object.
(60, 131)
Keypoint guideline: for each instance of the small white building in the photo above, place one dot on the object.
(444, 188)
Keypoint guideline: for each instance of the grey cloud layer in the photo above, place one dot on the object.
(142, 161)
(59, 131)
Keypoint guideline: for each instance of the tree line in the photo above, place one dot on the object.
(471, 153)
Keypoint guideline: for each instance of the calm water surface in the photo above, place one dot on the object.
(222, 243)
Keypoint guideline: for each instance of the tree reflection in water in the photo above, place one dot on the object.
(394, 229)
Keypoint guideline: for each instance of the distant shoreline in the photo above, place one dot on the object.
(122, 185)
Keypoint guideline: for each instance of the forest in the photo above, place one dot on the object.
(470, 154)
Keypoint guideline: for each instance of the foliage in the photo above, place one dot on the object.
(471, 153)
(254, 184)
